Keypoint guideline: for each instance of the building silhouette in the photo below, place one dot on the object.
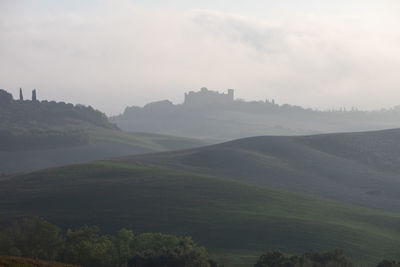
(205, 96)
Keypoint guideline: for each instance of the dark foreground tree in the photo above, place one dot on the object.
(32, 237)
(389, 263)
(178, 257)
(277, 259)
(85, 246)
(333, 258)
(153, 250)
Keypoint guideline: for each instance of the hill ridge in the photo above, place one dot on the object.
(359, 168)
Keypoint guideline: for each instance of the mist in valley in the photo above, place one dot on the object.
(199, 134)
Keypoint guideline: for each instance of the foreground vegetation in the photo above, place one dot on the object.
(334, 258)
(39, 239)
(35, 238)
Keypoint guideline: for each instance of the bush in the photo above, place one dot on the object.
(276, 259)
(177, 257)
(85, 246)
(333, 258)
(388, 263)
(312, 258)
(153, 250)
(33, 238)
(39, 239)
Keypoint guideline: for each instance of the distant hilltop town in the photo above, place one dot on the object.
(205, 96)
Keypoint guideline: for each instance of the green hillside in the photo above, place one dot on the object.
(147, 142)
(356, 168)
(104, 143)
(41, 134)
(234, 220)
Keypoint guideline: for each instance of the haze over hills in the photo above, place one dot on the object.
(40, 134)
(33, 124)
(221, 195)
(237, 198)
(234, 220)
(358, 168)
(292, 156)
(211, 115)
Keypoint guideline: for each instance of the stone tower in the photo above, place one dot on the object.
(21, 96)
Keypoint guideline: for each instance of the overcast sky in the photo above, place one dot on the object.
(110, 54)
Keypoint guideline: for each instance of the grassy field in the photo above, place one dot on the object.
(355, 168)
(104, 143)
(234, 220)
(146, 141)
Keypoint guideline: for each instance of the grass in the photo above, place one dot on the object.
(355, 168)
(148, 141)
(105, 143)
(234, 220)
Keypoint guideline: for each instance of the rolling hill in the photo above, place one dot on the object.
(41, 134)
(357, 168)
(236, 221)
(104, 143)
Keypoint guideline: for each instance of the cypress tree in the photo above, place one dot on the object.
(34, 95)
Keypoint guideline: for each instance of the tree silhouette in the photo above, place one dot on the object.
(34, 95)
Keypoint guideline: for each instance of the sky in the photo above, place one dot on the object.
(112, 54)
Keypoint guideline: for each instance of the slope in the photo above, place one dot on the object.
(358, 168)
(39, 134)
(232, 219)
(104, 143)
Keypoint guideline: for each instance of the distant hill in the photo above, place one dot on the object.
(234, 220)
(358, 168)
(33, 124)
(41, 134)
(211, 115)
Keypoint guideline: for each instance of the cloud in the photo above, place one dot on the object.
(120, 54)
